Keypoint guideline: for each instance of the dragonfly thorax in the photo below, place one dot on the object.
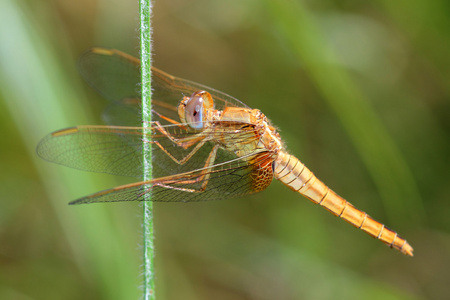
(247, 131)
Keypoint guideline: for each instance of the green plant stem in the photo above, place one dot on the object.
(145, 9)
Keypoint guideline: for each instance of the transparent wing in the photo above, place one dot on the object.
(118, 150)
(116, 76)
(183, 172)
(227, 180)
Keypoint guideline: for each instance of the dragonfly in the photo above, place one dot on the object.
(206, 145)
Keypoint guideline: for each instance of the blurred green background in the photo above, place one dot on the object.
(359, 90)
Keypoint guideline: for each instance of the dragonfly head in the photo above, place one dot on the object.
(193, 110)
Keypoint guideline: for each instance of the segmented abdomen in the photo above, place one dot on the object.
(293, 173)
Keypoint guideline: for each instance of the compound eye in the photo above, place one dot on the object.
(194, 111)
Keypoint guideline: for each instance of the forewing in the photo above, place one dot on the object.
(170, 89)
(113, 74)
(116, 76)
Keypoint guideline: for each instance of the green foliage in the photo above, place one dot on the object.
(359, 91)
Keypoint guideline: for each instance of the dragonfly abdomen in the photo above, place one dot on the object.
(294, 174)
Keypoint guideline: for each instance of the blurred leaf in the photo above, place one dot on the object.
(386, 164)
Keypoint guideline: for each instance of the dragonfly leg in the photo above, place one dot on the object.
(199, 139)
(169, 120)
(184, 159)
(168, 187)
(185, 142)
(203, 176)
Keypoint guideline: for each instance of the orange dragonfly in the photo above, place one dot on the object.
(205, 145)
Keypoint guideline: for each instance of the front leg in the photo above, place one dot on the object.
(200, 139)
